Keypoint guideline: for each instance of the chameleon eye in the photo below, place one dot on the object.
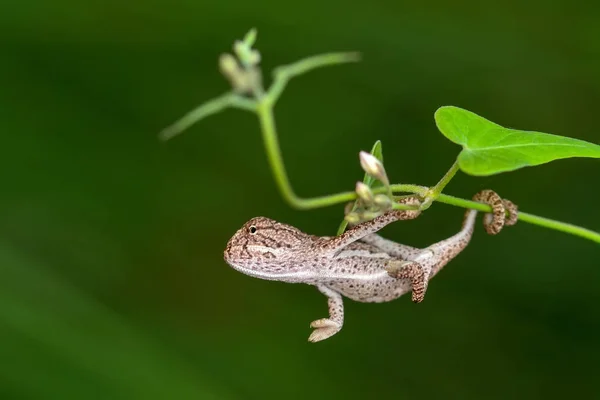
(252, 229)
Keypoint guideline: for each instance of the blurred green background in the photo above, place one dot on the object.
(112, 282)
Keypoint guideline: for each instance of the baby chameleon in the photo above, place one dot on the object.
(358, 264)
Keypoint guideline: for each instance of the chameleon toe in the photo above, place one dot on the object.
(322, 333)
(415, 273)
(324, 328)
(324, 323)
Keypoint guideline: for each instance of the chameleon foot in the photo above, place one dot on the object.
(324, 328)
(413, 272)
(494, 222)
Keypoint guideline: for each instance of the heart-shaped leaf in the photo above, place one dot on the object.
(489, 148)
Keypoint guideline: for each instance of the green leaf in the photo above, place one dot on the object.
(489, 148)
(368, 180)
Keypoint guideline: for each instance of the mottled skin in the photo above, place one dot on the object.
(359, 264)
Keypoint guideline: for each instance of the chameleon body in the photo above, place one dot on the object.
(358, 264)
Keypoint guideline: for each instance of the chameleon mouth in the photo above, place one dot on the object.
(287, 276)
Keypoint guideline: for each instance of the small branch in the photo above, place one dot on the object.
(283, 74)
(435, 191)
(204, 110)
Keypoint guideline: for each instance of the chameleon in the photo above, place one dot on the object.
(359, 264)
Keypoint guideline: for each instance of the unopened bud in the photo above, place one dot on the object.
(348, 208)
(241, 80)
(228, 65)
(364, 193)
(253, 58)
(369, 215)
(373, 167)
(240, 49)
(383, 201)
(248, 56)
(352, 218)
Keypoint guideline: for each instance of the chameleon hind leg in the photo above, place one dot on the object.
(423, 266)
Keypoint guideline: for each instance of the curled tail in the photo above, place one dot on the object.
(493, 222)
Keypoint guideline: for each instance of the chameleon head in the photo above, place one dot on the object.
(265, 249)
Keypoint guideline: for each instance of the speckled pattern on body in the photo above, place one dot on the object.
(358, 264)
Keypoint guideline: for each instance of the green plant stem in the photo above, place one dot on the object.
(434, 192)
(218, 104)
(560, 226)
(525, 217)
(263, 105)
(283, 74)
(271, 142)
(264, 111)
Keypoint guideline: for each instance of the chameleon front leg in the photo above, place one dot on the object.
(357, 232)
(326, 327)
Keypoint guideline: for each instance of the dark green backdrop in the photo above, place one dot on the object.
(112, 282)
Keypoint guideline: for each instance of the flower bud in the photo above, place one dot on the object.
(383, 201)
(353, 218)
(369, 215)
(348, 208)
(228, 65)
(373, 167)
(253, 57)
(364, 193)
(248, 56)
(240, 49)
(241, 80)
